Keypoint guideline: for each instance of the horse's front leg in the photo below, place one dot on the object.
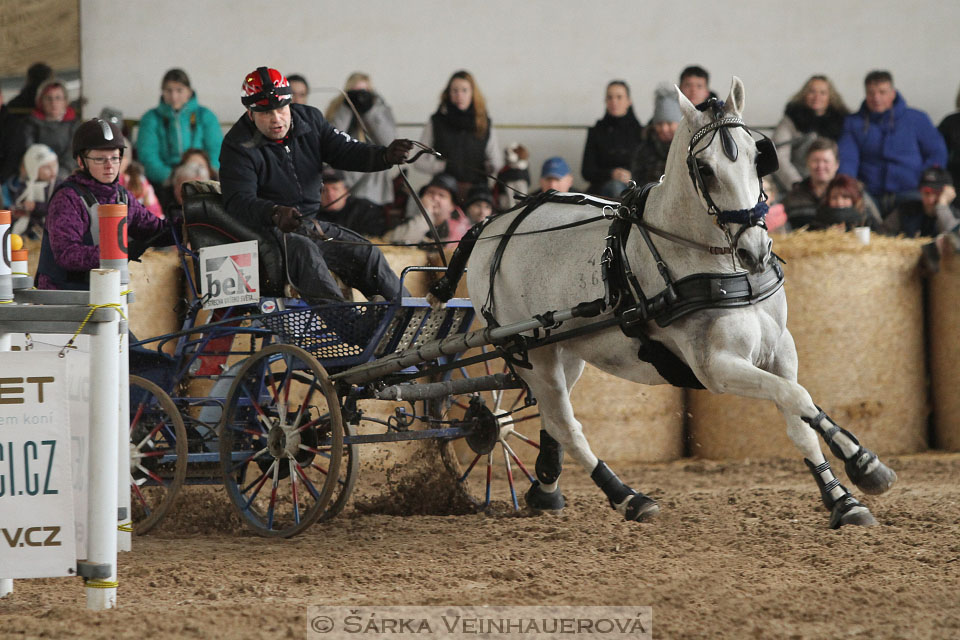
(727, 372)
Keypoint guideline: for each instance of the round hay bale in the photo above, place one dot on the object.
(944, 318)
(856, 315)
(399, 258)
(157, 283)
(626, 422)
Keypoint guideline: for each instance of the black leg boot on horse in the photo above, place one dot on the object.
(545, 494)
(633, 505)
(863, 467)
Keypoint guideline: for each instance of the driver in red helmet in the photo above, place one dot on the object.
(271, 164)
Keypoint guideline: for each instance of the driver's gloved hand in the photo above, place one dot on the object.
(287, 219)
(397, 151)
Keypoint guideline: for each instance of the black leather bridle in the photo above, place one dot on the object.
(766, 162)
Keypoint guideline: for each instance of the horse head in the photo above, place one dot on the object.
(725, 167)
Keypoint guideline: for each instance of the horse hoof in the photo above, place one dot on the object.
(640, 508)
(869, 474)
(850, 511)
(539, 499)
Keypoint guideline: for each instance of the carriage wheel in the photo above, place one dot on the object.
(158, 453)
(281, 442)
(494, 464)
(347, 477)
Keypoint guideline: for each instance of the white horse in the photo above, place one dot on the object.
(747, 350)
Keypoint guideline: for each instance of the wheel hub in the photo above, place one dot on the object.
(484, 427)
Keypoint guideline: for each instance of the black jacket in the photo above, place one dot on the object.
(358, 214)
(611, 143)
(257, 173)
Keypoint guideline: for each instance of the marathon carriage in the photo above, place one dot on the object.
(701, 305)
(264, 397)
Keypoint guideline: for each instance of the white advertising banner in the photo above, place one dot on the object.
(230, 274)
(36, 488)
(78, 393)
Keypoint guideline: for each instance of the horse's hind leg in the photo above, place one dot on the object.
(543, 494)
(549, 382)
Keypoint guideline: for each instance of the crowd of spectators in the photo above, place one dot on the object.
(883, 165)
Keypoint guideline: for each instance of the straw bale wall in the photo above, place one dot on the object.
(157, 283)
(856, 315)
(944, 324)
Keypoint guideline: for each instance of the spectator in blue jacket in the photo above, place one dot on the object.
(887, 145)
(176, 124)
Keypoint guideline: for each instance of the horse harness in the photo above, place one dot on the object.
(631, 307)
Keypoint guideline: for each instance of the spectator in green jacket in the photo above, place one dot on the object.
(176, 124)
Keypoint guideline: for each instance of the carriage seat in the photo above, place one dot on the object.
(206, 224)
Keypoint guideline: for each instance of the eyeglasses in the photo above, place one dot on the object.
(102, 161)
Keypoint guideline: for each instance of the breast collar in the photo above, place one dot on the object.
(678, 298)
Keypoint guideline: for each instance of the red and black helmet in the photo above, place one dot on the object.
(265, 90)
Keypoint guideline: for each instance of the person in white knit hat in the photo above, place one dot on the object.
(27, 192)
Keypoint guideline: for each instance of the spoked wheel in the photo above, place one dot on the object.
(346, 478)
(494, 464)
(158, 453)
(281, 441)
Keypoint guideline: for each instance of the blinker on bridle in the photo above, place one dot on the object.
(766, 162)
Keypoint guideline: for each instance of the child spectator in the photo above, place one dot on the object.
(26, 193)
(377, 116)
(131, 177)
(611, 144)
(462, 131)
(776, 218)
(69, 248)
(932, 214)
(176, 124)
(53, 123)
(816, 111)
(479, 204)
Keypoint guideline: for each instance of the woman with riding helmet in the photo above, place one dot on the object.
(69, 248)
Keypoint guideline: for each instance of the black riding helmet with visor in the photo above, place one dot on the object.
(96, 133)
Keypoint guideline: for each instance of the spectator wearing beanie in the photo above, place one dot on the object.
(479, 203)
(651, 159)
(440, 200)
(26, 193)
